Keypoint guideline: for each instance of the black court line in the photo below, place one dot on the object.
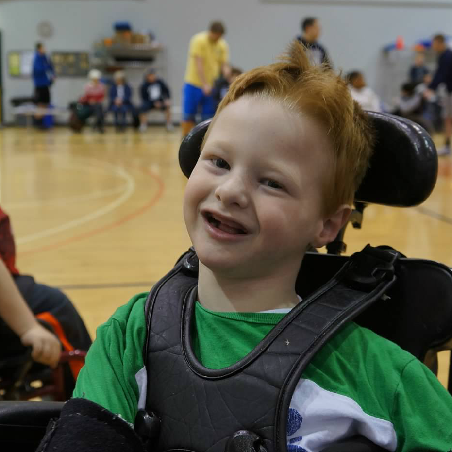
(107, 285)
(433, 214)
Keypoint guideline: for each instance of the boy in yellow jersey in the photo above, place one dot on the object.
(208, 57)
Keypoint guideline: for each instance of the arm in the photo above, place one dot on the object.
(376, 104)
(113, 361)
(18, 316)
(422, 411)
(441, 72)
(200, 69)
(112, 93)
(128, 93)
(225, 66)
(39, 66)
(144, 93)
(165, 90)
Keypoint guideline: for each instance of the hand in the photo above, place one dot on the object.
(428, 94)
(158, 104)
(206, 89)
(118, 101)
(46, 347)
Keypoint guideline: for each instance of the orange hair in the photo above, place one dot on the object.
(320, 93)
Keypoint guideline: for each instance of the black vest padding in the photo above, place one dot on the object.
(200, 408)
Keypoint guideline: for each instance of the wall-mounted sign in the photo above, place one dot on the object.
(70, 64)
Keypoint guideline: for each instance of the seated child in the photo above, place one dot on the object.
(155, 94)
(21, 298)
(92, 98)
(121, 100)
(412, 105)
(279, 166)
(418, 70)
(361, 93)
(223, 83)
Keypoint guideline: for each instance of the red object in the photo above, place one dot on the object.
(400, 44)
(76, 364)
(93, 93)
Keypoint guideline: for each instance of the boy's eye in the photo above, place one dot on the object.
(272, 184)
(220, 163)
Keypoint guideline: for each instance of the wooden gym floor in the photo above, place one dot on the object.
(101, 215)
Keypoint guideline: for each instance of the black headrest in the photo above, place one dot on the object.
(402, 170)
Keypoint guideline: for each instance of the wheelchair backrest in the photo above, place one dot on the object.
(416, 314)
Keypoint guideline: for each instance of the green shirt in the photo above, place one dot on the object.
(359, 383)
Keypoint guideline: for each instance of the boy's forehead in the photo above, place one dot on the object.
(264, 119)
(266, 127)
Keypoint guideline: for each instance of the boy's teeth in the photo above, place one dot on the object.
(228, 229)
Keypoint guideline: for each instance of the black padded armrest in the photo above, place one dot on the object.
(29, 413)
(23, 424)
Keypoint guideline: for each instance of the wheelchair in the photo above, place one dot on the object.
(417, 311)
(21, 378)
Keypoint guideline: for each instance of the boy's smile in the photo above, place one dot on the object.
(254, 200)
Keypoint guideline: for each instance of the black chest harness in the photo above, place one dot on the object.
(242, 407)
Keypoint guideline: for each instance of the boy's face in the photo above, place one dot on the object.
(359, 82)
(151, 78)
(254, 200)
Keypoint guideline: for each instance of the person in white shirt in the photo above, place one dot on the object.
(360, 92)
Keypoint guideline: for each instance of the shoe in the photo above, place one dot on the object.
(444, 151)
(143, 127)
(169, 127)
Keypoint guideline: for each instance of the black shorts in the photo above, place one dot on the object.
(42, 95)
(147, 106)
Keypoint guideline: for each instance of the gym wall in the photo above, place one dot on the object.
(257, 32)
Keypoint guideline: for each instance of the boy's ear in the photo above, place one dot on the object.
(332, 225)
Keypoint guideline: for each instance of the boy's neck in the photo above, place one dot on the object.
(230, 294)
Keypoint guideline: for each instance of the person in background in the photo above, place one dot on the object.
(311, 30)
(43, 77)
(208, 57)
(21, 299)
(443, 77)
(360, 92)
(121, 100)
(418, 70)
(155, 94)
(93, 96)
(223, 83)
(16, 314)
(412, 105)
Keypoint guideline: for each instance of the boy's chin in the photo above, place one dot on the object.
(221, 265)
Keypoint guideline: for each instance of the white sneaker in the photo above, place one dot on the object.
(143, 127)
(444, 151)
(169, 127)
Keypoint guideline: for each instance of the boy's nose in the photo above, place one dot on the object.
(233, 191)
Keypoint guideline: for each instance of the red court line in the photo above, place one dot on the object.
(131, 216)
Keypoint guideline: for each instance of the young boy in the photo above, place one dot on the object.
(21, 298)
(278, 169)
(222, 85)
(361, 93)
(121, 100)
(155, 93)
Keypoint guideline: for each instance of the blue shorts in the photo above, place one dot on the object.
(194, 98)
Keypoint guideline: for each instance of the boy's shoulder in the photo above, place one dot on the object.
(129, 313)
(356, 361)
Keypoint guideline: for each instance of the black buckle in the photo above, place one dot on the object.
(245, 441)
(369, 267)
(191, 261)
